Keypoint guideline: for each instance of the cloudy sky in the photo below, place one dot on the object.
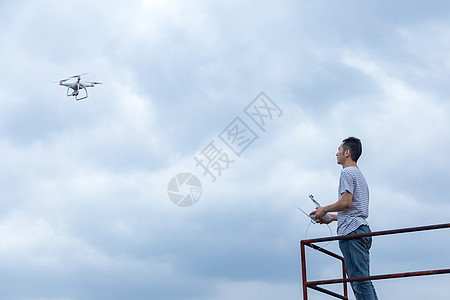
(84, 206)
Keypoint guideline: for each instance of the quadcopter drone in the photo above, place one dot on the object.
(74, 87)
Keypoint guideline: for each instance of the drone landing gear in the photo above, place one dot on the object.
(77, 93)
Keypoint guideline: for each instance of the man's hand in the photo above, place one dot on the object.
(320, 212)
(344, 203)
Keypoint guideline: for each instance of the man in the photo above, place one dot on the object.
(352, 210)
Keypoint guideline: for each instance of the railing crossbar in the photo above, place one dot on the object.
(328, 292)
(376, 233)
(379, 277)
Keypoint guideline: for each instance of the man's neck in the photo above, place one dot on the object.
(349, 163)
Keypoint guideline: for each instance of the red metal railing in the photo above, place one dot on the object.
(315, 284)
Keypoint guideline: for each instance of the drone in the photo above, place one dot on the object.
(74, 87)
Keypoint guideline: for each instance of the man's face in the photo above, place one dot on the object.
(340, 155)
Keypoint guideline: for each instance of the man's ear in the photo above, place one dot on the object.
(347, 153)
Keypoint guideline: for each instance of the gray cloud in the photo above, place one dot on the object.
(84, 210)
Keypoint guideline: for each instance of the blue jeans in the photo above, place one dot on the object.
(356, 256)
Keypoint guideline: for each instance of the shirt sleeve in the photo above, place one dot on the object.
(347, 182)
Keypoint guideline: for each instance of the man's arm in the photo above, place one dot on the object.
(342, 204)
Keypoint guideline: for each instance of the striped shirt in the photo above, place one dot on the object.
(353, 181)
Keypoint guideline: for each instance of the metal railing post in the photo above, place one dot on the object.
(344, 277)
(304, 281)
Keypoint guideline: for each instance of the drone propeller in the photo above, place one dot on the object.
(61, 81)
(74, 76)
(78, 75)
(96, 82)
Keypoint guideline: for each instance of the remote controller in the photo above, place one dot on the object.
(326, 218)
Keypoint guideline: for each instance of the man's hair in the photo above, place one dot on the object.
(354, 145)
